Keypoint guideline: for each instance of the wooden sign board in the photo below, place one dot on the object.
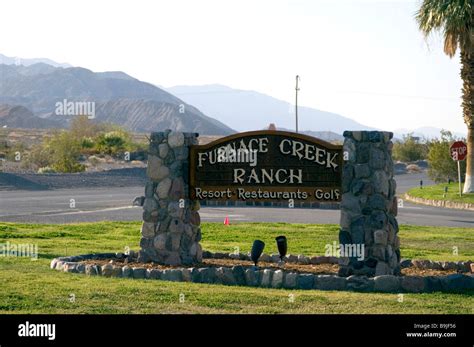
(266, 166)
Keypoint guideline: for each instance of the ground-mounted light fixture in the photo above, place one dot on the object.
(257, 250)
(282, 247)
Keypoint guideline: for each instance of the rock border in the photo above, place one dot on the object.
(269, 278)
(440, 203)
(459, 266)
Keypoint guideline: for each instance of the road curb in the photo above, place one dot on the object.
(440, 203)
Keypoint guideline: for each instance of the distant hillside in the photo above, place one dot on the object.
(249, 110)
(328, 136)
(119, 98)
(146, 115)
(15, 116)
(27, 62)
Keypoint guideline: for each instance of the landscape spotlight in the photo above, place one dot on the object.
(282, 246)
(257, 249)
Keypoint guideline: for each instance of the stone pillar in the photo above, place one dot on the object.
(369, 205)
(170, 230)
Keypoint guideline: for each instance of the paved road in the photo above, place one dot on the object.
(113, 203)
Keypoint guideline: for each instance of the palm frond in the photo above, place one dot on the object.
(454, 18)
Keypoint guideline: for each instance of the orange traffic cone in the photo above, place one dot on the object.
(226, 220)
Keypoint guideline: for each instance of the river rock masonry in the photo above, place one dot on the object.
(171, 222)
(369, 205)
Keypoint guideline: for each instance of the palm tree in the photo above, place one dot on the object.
(454, 18)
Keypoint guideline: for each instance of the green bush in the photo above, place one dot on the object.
(82, 126)
(410, 149)
(102, 138)
(65, 153)
(111, 143)
(61, 153)
(39, 156)
(442, 166)
(9, 151)
(87, 142)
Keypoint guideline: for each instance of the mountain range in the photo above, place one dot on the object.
(118, 97)
(248, 110)
(31, 88)
(27, 62)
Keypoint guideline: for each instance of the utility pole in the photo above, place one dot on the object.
(296, 101)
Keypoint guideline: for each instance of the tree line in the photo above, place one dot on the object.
(442, 168)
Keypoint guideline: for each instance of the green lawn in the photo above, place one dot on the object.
(436, 192)
(31, 287)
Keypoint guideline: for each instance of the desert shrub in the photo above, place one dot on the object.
(137, 146)
(87, 146)
(39, 156)
(12, 151)
(61, 152)
(66, 152)
(442, 166)
(111, 143)
(82, 126)
(87, 142)
(103, 138)
(409, 149)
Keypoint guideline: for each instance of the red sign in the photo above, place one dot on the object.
(458, 150)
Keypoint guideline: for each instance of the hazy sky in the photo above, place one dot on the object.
(363, 59)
